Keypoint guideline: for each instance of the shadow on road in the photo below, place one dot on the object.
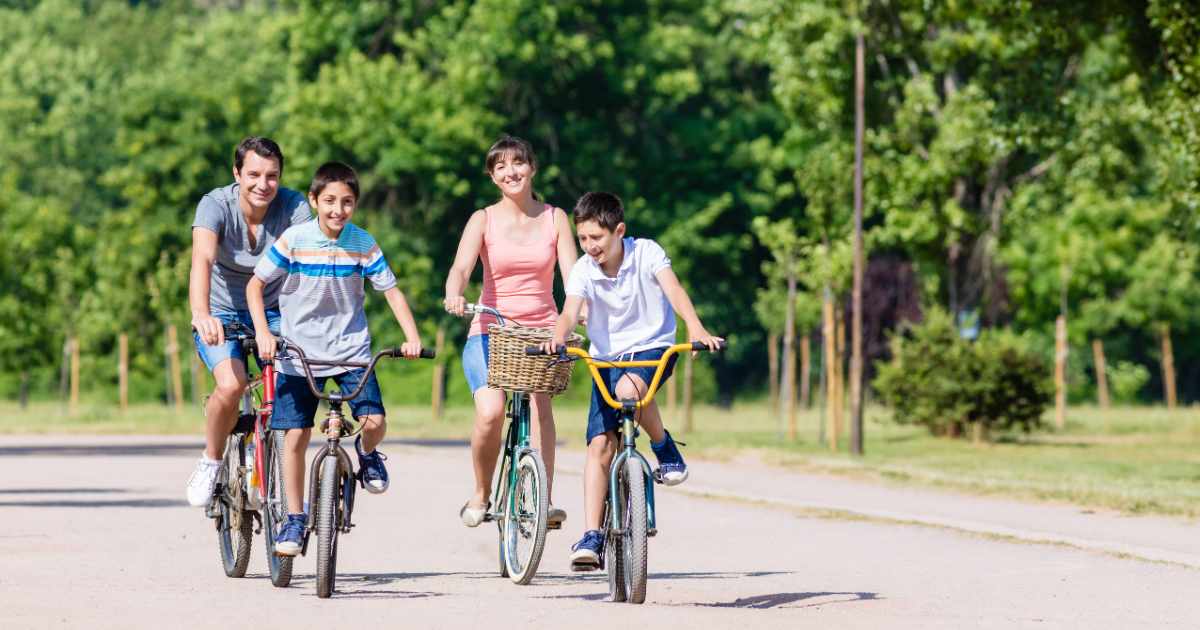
(97, 503)
(775, 600)
(63, 490)
(170, 449)
(365, 585)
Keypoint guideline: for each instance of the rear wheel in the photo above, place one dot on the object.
(235, 526)
(525, 522)
(635, 531)
(327, 527)
(275, 508)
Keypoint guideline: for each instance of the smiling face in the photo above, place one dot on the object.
(335, 205)
(513, 175)
(602, 244)
(258, 181)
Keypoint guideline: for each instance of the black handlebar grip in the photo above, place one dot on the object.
(698, 346)
(535, 351)
(426, 353)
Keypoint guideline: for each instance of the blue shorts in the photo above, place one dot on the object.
(601, 417)
(296, 406)
(475, 362)
(214, 355)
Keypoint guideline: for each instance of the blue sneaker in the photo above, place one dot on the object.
(585, 554)
(672, 470)
(288, 542)
(371, 469)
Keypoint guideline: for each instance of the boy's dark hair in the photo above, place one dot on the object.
(602, 207)
(520, 149)
(331, 172)
(265, 147)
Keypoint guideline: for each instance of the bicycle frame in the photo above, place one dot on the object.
(515, 444)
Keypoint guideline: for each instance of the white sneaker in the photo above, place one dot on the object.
(204, 478)
(555, 517)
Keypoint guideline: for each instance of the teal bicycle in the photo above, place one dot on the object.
(520, 500)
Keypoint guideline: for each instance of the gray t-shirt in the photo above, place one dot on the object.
(219, 211)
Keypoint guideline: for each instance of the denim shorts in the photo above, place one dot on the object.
(601, 417)
(214, 355)
(475, 362)
(296, 406)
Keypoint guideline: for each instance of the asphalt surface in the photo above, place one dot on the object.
(96, 534)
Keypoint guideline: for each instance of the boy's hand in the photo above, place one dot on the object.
(704, 337)
(211, 331)
(455, 305)
(411, 349)
(552, 346)
(266, 345)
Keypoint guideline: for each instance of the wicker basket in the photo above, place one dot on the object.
(510, 368)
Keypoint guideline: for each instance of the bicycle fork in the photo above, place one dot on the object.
(516, 443)
(332, 428)
(629, 450)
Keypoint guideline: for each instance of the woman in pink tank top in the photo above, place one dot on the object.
(519, 239)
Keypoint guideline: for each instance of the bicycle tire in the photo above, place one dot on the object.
(275, 509)
(502, 506)
(525, 525)
(614, 549)
(635, 556)
(327, 530)
(234, 546)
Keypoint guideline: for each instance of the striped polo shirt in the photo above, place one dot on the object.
(321, 297)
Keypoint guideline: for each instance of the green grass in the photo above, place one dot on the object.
(1133, 459)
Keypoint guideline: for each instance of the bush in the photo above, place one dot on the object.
(944, 382)
(1126, 380)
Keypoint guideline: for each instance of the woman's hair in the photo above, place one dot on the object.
(265, 147)
(602, 207)
(331, 172)
(509, 145)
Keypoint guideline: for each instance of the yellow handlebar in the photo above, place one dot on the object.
(660, 364)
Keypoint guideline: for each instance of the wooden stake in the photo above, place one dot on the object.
(197, 378)
(805, 371)
(1168, 365)
(74, 374)
(672, 402)
(773, 369)
(840, 409)
(787, 388)
(830, 368)
(687, 394)
(1101, 373)
(856, 307)
(438, 396)
(64, 372)
(24, 392)
(123, 371)
(176, 372)
(1060, 372)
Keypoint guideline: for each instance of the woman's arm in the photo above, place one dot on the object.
(567, 257)
(464, 262)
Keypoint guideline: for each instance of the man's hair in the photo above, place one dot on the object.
(509, 145)
(602, 207)
(265, 147)
(331, 172)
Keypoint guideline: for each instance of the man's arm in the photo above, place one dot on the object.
(411, 348)
(204, 254)
(682, 304)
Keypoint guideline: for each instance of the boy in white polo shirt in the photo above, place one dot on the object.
(632, 296)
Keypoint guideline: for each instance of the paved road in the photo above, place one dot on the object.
(95, 534)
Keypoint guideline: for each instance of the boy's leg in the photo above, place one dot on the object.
(293, 412)
(602, 446)
(368, 409)
(295, 447)
(672, 470)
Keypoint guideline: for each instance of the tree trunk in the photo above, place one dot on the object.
(830, 368)
(856, 342)
(438, 394)
(176, 372)
(672, 400)
(24, 393)
(123, 371)
(198, 381)
(64, 372)
(687, 394)
(787, 393)
(1101, 373)
(1168, 365)
(840, 374)
(822, 387)
(1060, 372)
(74, 374)
(773, 369)
(805, 370)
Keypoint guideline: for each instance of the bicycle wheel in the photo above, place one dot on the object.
(235, 526)
(275, 509)
(327, 527)
(635, 531)
(614, 548)
(502, 506)
(525, 522)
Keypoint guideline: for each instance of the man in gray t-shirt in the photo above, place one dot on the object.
(233, 227)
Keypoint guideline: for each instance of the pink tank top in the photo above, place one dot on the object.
(518, 278)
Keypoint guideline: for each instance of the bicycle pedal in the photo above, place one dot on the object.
(651, 532)
(550, 525)
(658, 476)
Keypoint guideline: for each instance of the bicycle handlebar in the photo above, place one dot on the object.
(697, 346)
(286, 347)
(480, 309)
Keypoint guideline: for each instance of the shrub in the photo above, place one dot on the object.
(1126, 380)
(941, 381)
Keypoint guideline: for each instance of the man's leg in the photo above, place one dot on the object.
(220, 412)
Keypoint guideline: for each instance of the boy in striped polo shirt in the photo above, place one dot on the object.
(324, 265)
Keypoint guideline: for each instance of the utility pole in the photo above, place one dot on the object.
(856, 341)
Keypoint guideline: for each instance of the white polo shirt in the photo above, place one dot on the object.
(630, 312)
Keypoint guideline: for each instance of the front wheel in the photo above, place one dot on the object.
(635, 531)
(526, 519)
(327, 527)
(275, 509)
(235, 526)
(614, 547)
